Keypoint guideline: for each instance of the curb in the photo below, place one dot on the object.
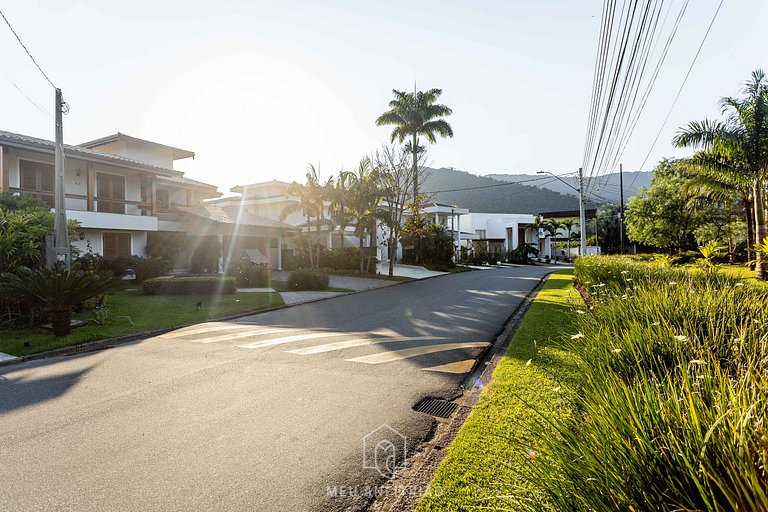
(432, 452)
(93, 346)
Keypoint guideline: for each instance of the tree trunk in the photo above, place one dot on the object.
(747, 205)
(61, 321)
(318, 242)
(415, 156)
(362, 261)
(309, 242)
(760, 228)
(392, 253)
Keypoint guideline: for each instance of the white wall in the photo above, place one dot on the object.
(92, 240)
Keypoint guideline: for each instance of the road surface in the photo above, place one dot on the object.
(266, 413)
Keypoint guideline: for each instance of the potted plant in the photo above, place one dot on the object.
(55, 291)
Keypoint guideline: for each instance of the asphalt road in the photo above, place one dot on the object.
(268, 413)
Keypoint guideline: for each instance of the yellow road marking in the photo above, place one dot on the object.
(340, 345)
(457, 367)
(288, 339)
(396, 355)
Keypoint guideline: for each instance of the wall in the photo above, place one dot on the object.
(92, 242)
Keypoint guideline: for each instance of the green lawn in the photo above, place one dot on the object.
(130, 311)
(451, 270)
(741, 271)
(484, 464)
(385, 277)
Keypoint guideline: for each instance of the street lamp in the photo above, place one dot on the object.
(582, 215)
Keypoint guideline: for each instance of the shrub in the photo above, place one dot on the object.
(147, 268)
(197, 285)
(685, 257)
(308, 279)
(56, 291)
(249, 274)
(672, 407)
(205, 258)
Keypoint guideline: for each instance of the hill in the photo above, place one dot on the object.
(490, 195)
(606, 186)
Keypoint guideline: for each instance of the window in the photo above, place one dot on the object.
(116, 244)
(37, 177)
(480, 234)
(162, 202)
(110, 193)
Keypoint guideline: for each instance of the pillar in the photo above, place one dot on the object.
(279, 252)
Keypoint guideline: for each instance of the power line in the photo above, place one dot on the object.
(29, 98)
(26, 50)
(680, 90)
(507, 183)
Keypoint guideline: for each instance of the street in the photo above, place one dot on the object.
(266, 413)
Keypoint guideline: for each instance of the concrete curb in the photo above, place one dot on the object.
(93, 346)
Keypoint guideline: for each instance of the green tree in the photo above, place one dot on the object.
(568, 224)
(743, 138)
(311, 203)
(413, 114)
(666, 215)
(365, 194)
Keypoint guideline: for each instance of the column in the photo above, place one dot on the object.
(279, 252)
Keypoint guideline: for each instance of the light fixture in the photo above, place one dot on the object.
(81, 235)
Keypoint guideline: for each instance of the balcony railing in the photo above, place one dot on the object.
(48, 198)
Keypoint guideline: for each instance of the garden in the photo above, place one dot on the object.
(642, 387)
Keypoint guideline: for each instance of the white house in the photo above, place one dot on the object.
(126, 194)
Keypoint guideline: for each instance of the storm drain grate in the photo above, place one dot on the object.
(436, 407)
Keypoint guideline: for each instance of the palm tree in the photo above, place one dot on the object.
(743, 138)
(310, 203)
(568, 225)
(413, 114)
(716, 177)
(365, 194)
(552, 225)
(539, 224)
(339, 207)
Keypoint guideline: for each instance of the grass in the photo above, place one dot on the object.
(739, 271)
(355, 273)
(485, 465)
(145, 313)
(451, 270)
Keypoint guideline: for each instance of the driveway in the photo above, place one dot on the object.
(267, 413)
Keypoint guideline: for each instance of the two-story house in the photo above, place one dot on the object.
(120, 189)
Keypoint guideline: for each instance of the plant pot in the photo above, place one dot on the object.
(61, 321)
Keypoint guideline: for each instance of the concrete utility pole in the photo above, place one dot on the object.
(60, 232)
(582, 214)
(621, 207)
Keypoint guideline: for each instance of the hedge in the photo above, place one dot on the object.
(308, 279)
(199, 285)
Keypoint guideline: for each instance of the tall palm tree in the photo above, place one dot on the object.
(568, 225)
(365, 194)
(539, 224)
(743, 138)
(413, 114)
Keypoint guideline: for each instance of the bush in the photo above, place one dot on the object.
(685, 257)
(249, 274)
(334, 259)
(308, 279)
(205, 258)
(672, 407)
(197, 285)
(147, 268)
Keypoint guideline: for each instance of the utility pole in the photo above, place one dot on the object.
(621, 207)
(60, 231)
(582, 215)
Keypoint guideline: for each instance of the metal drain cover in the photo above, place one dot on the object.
(436, 407)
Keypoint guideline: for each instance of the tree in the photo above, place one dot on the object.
(568, 224)
(311, 203)
(396, 175)
(539, 224)
(666, 214)
(414, 114)
(365, 195)
(742, 138)
(551, 227)
(341, 215)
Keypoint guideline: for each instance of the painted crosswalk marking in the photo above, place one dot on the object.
(238, 335)
(406, 353)
(288, 339)
(358, 342)
(456, 367)
(207, 328)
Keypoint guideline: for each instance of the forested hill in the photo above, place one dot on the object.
(502, 197)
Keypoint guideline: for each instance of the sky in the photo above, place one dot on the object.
(261, 89)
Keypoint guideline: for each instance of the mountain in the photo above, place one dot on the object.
(489, 195)
(606, 187)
